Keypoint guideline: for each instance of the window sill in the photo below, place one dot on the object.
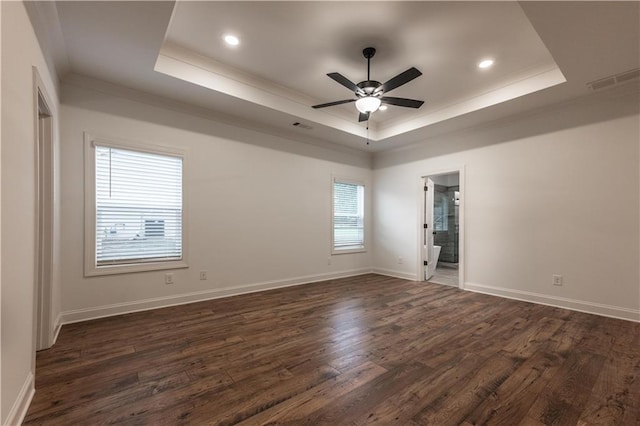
(349, 251)
(95, 271)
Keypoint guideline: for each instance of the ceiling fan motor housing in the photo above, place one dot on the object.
(370, 88)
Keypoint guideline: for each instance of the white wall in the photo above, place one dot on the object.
(556, 192)
(1, 400)
(20, 51)
(447, 179)
(551, 193)
(259, 217)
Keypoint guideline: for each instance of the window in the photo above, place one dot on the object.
(134, 208)
(348, 216)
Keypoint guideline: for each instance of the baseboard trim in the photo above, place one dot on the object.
(21, 405)
(558, 302)
(395, 274)
(86, 314)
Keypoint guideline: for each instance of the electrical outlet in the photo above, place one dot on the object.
(168, 278)
(557, 279)
(328, 261)
(203, 275)
(400, 260)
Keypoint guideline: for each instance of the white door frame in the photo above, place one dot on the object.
(428, 200)
(44, 151)
(461, 220)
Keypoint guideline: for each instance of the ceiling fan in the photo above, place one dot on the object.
(370, 93)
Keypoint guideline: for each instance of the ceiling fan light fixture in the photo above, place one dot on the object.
(368, 104)
(369, 94)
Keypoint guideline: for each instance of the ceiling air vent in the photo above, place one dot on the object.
(629, 75)
(612, 80)
(302, 125)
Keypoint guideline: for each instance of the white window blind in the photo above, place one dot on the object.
(348, 216)
(138, 207)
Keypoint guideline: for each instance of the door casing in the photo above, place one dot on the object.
(423, 252)
(44, 168)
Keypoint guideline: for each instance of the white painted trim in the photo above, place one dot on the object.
(21, 405)
(44, 146)
(90, 142)
(396, 274)
(540, 79)
(57, 326)
(178, 62)
(184, 64)
(86, 314)
(84, 82)
(46, 24)
(365, 215)
(461, 219)
(558, 302)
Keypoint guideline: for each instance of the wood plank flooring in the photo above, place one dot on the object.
(363, 350)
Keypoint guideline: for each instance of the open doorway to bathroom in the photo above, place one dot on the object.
(442, 228)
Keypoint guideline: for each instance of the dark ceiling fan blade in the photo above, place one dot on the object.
(345, 82)
(364, 116)
(401, 79)
(403, 102)
(328, 104)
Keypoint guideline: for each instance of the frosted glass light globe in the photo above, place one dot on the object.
(368, 104)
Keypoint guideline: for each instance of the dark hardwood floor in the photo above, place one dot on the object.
(362, 350)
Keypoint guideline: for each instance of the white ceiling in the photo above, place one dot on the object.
(544, 52)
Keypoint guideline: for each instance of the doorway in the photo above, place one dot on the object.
(43, 335)
(442, 228)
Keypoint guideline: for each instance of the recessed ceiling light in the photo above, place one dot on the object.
(382, 108)
(231, 40)
(486, 63)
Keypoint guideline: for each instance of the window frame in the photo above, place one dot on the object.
(349, 181)
(90, 265)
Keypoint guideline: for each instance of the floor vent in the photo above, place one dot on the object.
(302, 125)
(612, 80)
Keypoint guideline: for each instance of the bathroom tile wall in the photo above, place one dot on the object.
(448, 239)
